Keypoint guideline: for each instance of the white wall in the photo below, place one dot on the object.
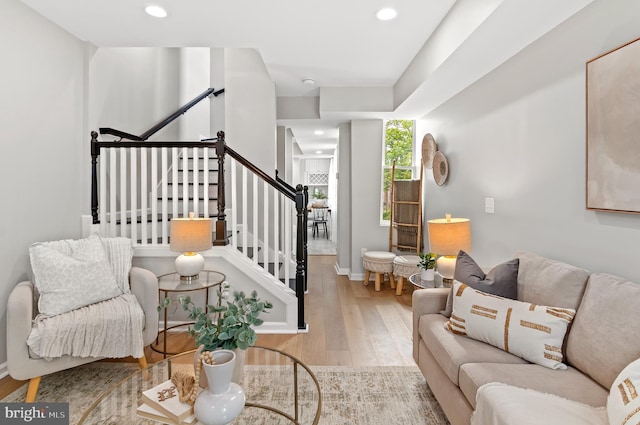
(134, 88)
(41, 128)
(216, 68)
(518, 135)
(366, 175)
(343, 217)
(194, 79)
(250, 100)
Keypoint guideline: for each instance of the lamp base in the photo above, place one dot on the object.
(188, 266)
(446, 267)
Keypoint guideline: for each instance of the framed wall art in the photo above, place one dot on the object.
(613, 130)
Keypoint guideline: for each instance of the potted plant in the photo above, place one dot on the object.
(226, 326)
(428, 265)
(319, 196)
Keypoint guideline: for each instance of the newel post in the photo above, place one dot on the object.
(95, 151)
(221, 222)
(306, 237)
(301, 208)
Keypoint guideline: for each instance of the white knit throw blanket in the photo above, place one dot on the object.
(111, 328)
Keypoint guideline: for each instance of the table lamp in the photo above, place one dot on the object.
(447, 236)
(189, 235)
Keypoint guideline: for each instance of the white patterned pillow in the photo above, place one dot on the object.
(530, 331)
(623, 404)
(71, 274)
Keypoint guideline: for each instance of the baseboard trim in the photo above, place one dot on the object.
(4, 371)
(356, 276)
(341, 271)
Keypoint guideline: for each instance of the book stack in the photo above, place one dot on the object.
(161, 403)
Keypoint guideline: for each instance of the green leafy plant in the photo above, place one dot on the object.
(318, 194)
(427, 261)
(228, 325)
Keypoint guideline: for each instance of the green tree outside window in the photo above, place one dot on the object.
(398, 147)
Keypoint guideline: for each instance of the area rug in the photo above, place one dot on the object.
(353, 396)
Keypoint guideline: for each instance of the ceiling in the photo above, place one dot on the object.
(337, 43)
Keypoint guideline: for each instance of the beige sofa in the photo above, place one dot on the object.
(602, 340)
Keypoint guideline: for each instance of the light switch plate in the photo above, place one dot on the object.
(489, 206)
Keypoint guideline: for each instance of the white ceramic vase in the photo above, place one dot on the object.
(223, 400)
(427, 275)
(238, 369)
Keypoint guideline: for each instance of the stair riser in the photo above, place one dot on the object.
(211, 192)
(213, 176)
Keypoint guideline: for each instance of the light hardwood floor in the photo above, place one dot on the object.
(349, 325)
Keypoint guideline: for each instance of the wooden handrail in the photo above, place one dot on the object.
(165, 122)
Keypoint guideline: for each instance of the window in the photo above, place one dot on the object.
(398, 147)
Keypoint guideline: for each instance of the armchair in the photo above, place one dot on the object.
(21, 311)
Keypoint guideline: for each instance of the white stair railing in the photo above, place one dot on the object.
(171, 181)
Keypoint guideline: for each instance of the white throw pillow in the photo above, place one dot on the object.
(623, 404)
(71, 274)
(530, 331)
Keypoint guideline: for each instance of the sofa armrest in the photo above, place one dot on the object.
(426, 301)
(19, 322)
(144, 285)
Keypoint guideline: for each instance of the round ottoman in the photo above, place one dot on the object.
(378, 262)
(403, 267)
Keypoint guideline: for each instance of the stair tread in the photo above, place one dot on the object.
(191, 183)
(190, 198)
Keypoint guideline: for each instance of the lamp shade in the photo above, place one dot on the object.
(190, 234)
(449, 235)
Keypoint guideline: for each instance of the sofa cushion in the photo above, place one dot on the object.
(549, 282)
(451, 351)
(501, 280)
(623, 405)
(500, 404)
(604, 337)
(569, 383)
(530, 331)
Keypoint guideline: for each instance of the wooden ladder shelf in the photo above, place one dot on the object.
(405, 230)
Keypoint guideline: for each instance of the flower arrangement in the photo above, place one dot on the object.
(225, 326)
(427, 261)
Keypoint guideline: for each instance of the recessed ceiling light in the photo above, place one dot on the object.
(156, 11)
(318, 132)
(318, 152)
(308, 82)
(386, 14)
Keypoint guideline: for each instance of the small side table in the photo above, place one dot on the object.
(417, 281)
(171, 282)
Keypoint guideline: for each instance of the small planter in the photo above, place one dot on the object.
(428, 274)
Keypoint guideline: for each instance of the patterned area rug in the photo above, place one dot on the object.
(353, 396)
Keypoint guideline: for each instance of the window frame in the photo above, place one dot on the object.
(415, 161)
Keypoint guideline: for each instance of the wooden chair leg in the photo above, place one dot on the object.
(378, 279)
(399, 285)
(392, 280)
(142, 361)
(367, 275)
(32, 389)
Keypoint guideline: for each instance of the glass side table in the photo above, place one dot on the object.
(417, 281)
(171, 282)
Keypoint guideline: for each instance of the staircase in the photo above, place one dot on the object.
(138, 186)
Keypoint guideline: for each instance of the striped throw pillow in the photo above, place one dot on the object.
(623, 405)
(532, 332)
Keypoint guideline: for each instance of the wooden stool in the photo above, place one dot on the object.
(378, 262)
(403, 267)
